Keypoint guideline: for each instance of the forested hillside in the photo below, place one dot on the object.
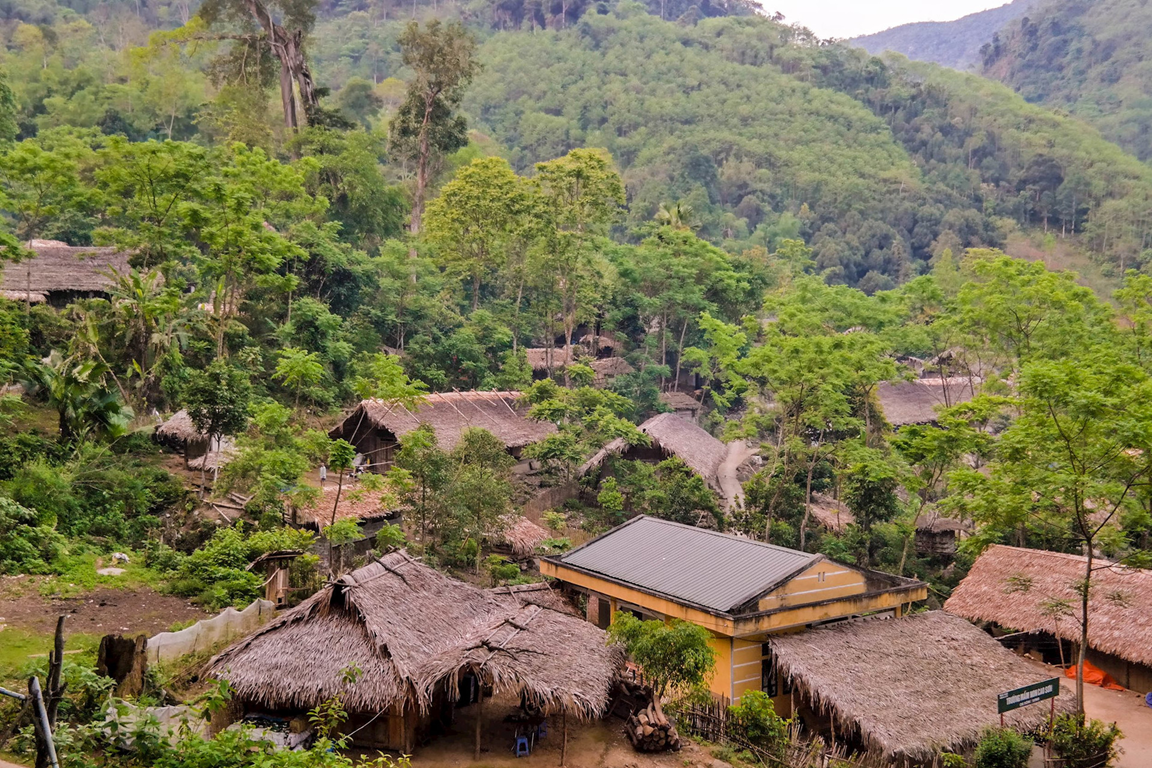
(954, 44)
(1090, 58)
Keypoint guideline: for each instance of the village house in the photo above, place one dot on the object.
(742, 591)
(939, 536)
(403, 645)
(377, 429)
(904, 403)
(906, 689)
(682, 404)
(178, 433)
(58, 273)
(1020, 590)
(670, 435)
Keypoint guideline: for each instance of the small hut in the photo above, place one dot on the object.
(936, 535)
(670, 435)
(1016, 589)
(682, 404)
(180, 434)
(275, 567)
(520, 536)
(414, 634)
(831, 513)
(906, 688)
(920, 401)
(377, 428)
(608, 369)
(59, 273)
(599, 345)
(539, 357)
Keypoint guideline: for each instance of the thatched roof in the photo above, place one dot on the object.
(1013, 587)
(215, 459)
(831, 513)
(523, 535)
(408, 627)
(674, 435)
(932, 522)
(610, 367)
(355, 503)
(538, 357)
(920, 401)
(596, 343)
(910, 687)
(179, 428)
(56, 266)
(449, 414)
(680, 401)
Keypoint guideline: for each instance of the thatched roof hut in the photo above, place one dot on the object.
(831, 513)
(376, 428)
(608, 369)
(561, 356)
(682, 403)
(1016, 588)
(355, 503)
(223, 454)
(522, 535)
(909, 687)
(59, 272)
(412, 631)
(600, 344)
(920, 401)
(671, 435)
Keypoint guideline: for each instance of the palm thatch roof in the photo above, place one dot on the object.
(831, 513)
(909, 687)
(216, 459)
(180, 429)
(673, 435)
(597, 343)
(409, 628)
(355, 503)
(538, 357)
(920, 401)
(681, 401)
(1028, 589)
(449, 414)
(609, 368)
(522, 535)
(56, 266)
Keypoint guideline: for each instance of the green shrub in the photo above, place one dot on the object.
(1002, 748)
(26, 545)
(1084, 744)
(501, 570)
(755, 716)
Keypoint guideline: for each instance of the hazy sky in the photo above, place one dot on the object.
(848, 18)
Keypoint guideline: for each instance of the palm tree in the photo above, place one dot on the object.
(679, 216)
(77, 391)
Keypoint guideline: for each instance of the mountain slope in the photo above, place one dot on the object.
(1093, 58)
(954, 44)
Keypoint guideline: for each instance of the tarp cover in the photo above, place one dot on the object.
(1093, 674)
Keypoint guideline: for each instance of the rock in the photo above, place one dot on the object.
(110, 572)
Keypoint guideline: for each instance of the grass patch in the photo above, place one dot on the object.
(78, 576)
(19, 647)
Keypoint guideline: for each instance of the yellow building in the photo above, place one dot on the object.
(741, 590)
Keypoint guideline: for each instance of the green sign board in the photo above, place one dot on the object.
(1029, 694)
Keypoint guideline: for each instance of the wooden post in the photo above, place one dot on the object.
(479, 716)
(51, 699)
(564, 735)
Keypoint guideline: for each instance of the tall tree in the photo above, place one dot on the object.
(218, 400)
(426, 127)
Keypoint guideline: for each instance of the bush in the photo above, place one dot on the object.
(1003, 748)
(1085, 744)
(26, 546)
(755, 716)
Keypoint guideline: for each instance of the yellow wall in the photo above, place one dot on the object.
(746, 667)
(722, 676)
(823, 581)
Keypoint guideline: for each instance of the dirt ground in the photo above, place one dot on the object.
(128, 612)
(590, 745)
(1128, 710)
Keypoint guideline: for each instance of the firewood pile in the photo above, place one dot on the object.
(648, 728)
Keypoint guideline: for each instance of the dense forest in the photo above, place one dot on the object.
(954, 44)
(1089, 58)
(325, 203)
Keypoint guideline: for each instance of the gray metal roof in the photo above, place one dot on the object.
(692, 565)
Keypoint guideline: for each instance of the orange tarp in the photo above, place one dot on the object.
(1093, 674)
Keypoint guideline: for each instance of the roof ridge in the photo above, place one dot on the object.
(722, 534)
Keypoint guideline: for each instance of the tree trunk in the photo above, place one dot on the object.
(479, 716)
(1083, 650)
(422, 159)
(335, 506)
(679, 358)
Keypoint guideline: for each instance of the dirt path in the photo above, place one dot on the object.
(730, 485)
(130, 612)
(1128, 710)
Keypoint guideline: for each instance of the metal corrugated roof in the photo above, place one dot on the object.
(688, 564)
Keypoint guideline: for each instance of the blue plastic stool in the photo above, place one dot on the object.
(521, 746)
(542, 730)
